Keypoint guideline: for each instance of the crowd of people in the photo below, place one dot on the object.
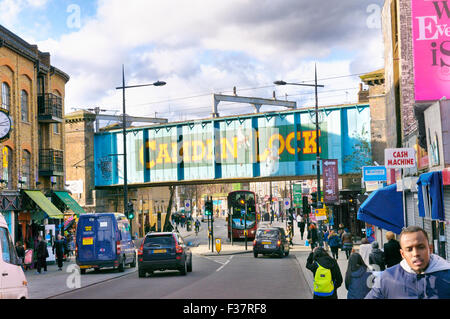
(63, 247)
(404, 269)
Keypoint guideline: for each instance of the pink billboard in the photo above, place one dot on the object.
(431, 42)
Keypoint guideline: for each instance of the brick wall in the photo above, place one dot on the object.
(409, 123)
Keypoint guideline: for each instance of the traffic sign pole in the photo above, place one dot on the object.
(245, 225)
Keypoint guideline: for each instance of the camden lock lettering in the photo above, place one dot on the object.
(227, 149)
(435, 28)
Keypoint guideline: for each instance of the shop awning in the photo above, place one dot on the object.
(432, 181)
(70, 202)
(46, 205)
(384, 208)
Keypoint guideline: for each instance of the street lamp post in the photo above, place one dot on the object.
(124, 132)
(315, 85)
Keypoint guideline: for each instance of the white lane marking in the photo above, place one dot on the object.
(221, 267)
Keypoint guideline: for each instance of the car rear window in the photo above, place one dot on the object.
(267, 233)
(152, 241)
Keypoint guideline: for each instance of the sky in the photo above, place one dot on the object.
(201, 47)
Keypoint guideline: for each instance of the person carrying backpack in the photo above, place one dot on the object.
(327, 275)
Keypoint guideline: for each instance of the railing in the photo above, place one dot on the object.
(51, 162)
(49, 107)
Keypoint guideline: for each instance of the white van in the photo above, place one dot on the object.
(13, 283)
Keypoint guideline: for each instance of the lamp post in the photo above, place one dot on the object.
(124, 132)
(315, 85)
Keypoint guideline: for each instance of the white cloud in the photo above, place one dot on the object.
(201, 46)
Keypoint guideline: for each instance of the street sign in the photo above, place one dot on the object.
(330, 180)
(187, 205)
(297, 194)
(218, 245)
(321, 213)
(399, 157)
(287, 203)
(374, 174)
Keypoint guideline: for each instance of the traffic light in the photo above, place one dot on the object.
(314, 199)
(130, 210)
(208, 207)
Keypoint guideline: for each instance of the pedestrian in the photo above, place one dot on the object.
(326, 272)
(325, 238)
(420, 275)
(364, 250)
(320, 236)
(20, 252)
(335, 243)
(313, 236)
(392, 250)
(41, 255)
(376, 258)
(301, 225)
(347, 244)
(357, 277)
(58, 250)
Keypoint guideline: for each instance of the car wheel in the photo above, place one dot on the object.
(122, 265)
(141, 273)
(189, 266)
(255, 254)
(183, 270)
(83, 271)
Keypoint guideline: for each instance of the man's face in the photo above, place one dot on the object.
(415, 250)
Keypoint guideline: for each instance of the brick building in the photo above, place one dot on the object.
(32, 158)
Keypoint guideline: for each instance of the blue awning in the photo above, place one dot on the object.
(384, 208)
(433, 181)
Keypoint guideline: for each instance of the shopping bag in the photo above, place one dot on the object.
(28, 257)
(306, 242)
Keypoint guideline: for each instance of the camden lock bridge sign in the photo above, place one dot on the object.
(254, 146)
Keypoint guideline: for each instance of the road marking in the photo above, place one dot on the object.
(221, 267)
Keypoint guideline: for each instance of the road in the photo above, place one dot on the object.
(236, 276)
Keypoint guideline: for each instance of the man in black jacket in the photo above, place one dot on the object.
(41, 254)
(58, 247)
(319, 256)
(392, 250)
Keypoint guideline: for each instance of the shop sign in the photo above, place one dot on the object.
(399, 157)
(431, 48)
(330, 180)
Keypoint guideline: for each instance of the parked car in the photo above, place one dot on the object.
(164, 251)
(13, 284)
(104, 240)
(269, 241)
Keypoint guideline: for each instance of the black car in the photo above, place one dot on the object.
(269, 241)
(164, 251)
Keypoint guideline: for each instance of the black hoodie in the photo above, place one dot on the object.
(326, 262)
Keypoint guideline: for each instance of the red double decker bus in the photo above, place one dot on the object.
(240, 202)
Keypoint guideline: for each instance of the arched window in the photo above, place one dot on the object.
(26, 169)
(6, 96)
(24, 105)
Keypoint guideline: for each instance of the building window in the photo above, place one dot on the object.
(6, 96)
(56, 128)
(24, 105)
(26, 169)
